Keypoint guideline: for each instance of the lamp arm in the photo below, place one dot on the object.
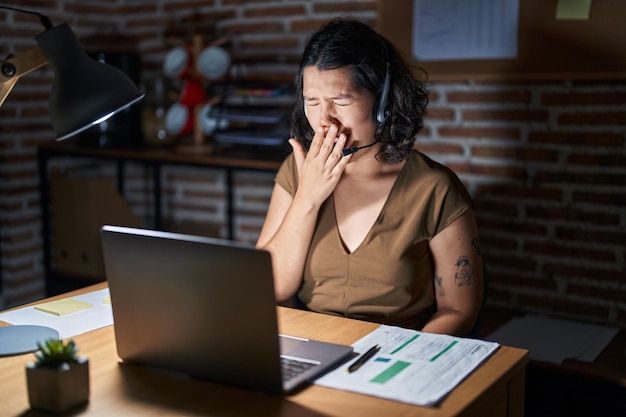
(17, 66)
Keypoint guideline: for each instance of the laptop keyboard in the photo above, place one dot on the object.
(293, 367)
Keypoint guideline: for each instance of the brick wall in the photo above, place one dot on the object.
(544, 161)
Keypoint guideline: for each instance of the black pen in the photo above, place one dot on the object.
(364, 358)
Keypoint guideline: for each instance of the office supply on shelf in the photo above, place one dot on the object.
(413, 367)
(363, 358)
(204, 307)
(554, 340)
(68, 325)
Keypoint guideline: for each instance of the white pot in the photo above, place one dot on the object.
(58, 389)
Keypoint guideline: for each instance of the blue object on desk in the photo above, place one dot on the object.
(23, 338)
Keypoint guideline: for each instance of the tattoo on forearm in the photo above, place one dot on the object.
(464, 274)
(477, 247)
(440, 290)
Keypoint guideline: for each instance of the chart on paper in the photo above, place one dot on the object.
(412, 367)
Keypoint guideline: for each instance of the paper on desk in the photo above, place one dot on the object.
(554, 340)
(68, 325)
(412, 367)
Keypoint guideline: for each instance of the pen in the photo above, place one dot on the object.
(364, 358)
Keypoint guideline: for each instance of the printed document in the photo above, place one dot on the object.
(75, 321)
(462, 29)
(412, 367)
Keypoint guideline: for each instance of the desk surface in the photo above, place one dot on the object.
(494, 389)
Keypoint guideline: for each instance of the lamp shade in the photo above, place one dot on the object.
(85, 91)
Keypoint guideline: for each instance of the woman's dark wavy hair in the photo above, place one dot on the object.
(350, 43)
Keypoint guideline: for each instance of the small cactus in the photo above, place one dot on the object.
(54, 353)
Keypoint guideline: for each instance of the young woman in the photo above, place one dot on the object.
(359, 223)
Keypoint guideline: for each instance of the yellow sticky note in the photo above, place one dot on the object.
(573, 9)
(63, 307)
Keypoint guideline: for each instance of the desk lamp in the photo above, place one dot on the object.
(85, 92)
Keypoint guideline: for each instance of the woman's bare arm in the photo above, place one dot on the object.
(458, 277)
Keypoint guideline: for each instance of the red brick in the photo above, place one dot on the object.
(591, 291)
(580, 178)
(595, 235)
(521, 191)
(522, 265)
(307, 26)
(518, 154)
(616, 199)
(274, 11)
(338, 7)
(192, 5)
(490, 241)
(604, 160)
(250, 27)
(282, 42)
(593, 118)
(499, 208)
(577, 99)
(512, 280)
(434, 113)
(82, 8)
(613, 275)
(595, 139)
(139, 9)
(439, 148)
(479, 132)
(557, 305)
(571, 214)
(507, 115)
(498, 97)
(568, 251)
(513, 228)
(503, 171)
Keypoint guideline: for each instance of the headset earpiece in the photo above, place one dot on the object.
(380, 109)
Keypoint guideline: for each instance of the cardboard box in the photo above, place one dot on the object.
(80, 207)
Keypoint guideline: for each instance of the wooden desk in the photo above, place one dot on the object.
(494, 389)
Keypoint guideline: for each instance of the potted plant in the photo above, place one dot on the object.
(59, 379)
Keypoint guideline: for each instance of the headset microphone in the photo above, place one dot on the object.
(350, 151)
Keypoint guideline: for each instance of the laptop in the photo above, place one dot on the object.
(205, 307)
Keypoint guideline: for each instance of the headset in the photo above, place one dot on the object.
(380, 108)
